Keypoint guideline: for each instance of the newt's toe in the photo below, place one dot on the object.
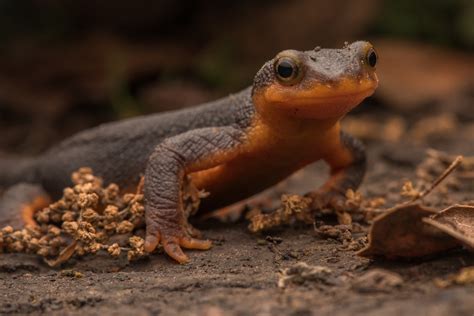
(193, 243)
(173, 237)
(172, 243)
(172, 247)
(151, 242)
(173, 250)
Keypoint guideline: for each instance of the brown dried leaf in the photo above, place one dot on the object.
(402, 233)
(456, 221)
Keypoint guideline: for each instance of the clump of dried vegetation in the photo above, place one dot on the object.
(84, 221)
(296, 208)
(87, 219)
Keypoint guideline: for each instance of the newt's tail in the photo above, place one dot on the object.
(15, 170)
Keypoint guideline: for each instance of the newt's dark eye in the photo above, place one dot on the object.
(287, 70)
(371, 57)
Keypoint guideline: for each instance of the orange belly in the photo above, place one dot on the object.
(266, 159)
(246, 176)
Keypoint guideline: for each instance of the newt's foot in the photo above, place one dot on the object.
(322, 199)
(172, 240)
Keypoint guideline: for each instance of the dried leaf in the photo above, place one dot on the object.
(402, 233)
(456, 221)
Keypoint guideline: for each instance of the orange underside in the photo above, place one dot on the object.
(262, 161)
(28, 210)
(319, 101)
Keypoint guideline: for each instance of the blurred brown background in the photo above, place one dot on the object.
(67, 65)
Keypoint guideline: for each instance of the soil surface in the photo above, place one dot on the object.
(122, 60)
(239, 275)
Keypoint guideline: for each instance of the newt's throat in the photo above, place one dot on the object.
(319, 101)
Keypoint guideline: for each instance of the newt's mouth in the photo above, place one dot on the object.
(320, 101)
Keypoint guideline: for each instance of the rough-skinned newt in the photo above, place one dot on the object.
(233, 148)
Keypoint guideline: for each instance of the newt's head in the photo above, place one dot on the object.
(317, 84)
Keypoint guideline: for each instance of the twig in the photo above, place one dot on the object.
(440, 179)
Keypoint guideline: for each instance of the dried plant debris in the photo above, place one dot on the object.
(298, 208)
(402, 233)
(87, 219)
(293, 208)
(360, 208)
(413, 230)
(456, 221)
(409, 191)
(301, 272)
(341, 233)
(463, 277)
(71, 274)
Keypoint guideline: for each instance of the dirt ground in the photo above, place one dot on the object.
(239, 275)
(114, 61)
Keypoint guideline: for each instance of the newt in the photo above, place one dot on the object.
(234, 147)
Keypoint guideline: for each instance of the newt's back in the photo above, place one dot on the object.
(118, 151)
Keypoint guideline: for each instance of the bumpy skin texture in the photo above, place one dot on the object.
(119, 151)
(165, 169)
(233, 147)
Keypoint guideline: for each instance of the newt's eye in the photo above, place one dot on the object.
(371, 57)
(287, 70)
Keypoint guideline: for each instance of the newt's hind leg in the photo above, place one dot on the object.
(19, 203)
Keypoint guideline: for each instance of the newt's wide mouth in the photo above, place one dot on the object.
(320, 100)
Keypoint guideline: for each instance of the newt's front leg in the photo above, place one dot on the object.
(348, 165)
(171, 160)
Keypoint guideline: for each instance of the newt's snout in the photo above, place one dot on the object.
(319, 84)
